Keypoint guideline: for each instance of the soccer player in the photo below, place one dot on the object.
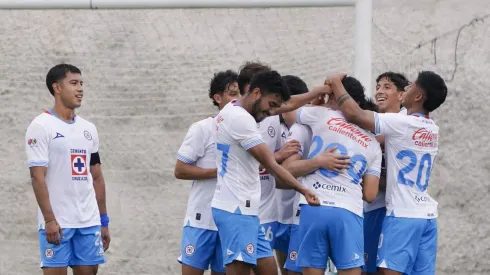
(269, 128)
(64, 163)
(285, 198)
(196, 161)
(335, 229)
(408, 240)
(240, 149)
(389, 89)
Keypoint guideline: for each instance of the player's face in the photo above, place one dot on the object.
(412, 95)
(387, 95)
(263, 105)
(231, 92)
(70, 90)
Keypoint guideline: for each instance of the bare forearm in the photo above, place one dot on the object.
(347, 105)
(286, 179)
(42, 197)
(191, 172)
(99, 187)
(297, 101)
(301, 167)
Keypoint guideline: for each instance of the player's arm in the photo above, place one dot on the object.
(371, 177)
(37, 144)
(297, 101)
(351, 110)
(192, 148)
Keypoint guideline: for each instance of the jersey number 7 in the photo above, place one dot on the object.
(224, 148)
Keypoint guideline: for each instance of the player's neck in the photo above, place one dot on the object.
(63, 113)
(394, 109)
(245, 103)
(417, 110)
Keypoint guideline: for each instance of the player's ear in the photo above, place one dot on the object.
(217, 98)
(419, 96)
(256, 93)
(56, 87)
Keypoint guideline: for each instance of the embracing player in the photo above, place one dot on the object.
(389, 90)
(270, 130)
(335, 229)
(240, 149)
(408, 240)
(196, 161)
(63, 156)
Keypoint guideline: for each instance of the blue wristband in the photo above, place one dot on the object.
(104, 220)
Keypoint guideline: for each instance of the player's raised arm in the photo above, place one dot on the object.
(191, 149)
(298, 101)
(351, 110)
(37, 144)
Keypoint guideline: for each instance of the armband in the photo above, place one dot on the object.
(94, 158)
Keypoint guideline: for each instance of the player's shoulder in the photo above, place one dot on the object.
(85, 123)
(205, 125)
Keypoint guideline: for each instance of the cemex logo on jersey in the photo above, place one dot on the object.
(425, 138)
(341, 126)
(79, 169)
(329, 187)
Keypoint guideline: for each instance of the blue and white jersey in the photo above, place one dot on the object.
(238, 186)
(302, 134)
(411, 144)
(380, 200)
(330, 129)
(199, 149)
(65, 149)
(270, 129)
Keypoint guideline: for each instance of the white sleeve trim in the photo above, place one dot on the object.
(253, 143)
(185, 159)
(38, 163)
(373, 172)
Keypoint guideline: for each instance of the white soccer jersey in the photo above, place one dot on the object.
(238, 187)
(65, 149)
(198, 148)
(380, 200)
(411, 143)
(270, 129)
(284, 198)
(302, 134)
(330, 129)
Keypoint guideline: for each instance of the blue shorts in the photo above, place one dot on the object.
(269, 234)
(408, 245)
(330, 232)
(294, 242)
(283, 236)
(201, 249)
(373, 221)
(80, 246)
(241, 237)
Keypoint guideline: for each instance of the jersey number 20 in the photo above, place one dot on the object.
(355, 159)
(426, 159)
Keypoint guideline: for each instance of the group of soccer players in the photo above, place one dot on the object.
(317, 175)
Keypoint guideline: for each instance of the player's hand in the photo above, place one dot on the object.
(311, 198)
(322, 90)
(319, 101)
(54, 233)
(334, 162)
(106, 237)
(290, 148)
(334, 77)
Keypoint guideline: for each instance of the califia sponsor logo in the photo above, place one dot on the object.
(425, 138)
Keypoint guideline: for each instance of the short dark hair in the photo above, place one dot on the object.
(295, 84)
(369, 105)
(247, 72)
(220, 82)
(434, 88)
(270, 83)
(58, 73)
(355, 89)
(398, 79)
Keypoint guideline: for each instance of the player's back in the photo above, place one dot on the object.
(65, 149)
(411, 144)
(330, 129)
(238, 186)
(199, 149)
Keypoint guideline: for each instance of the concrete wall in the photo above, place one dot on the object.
(146, 74)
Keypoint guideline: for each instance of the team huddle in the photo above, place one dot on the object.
(319, 175)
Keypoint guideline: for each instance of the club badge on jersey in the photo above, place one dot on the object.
(79, 170)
